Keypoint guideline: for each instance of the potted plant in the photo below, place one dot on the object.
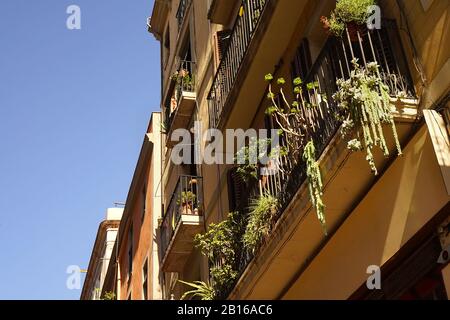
(364, 109)
(350, 14)
(263, 210)
(186, 200)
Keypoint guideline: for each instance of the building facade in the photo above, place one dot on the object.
(133, 271)
(214, 57)
(325, 217)
(101, 254)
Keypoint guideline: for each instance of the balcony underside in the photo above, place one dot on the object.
(276, 26)
(220, 11)
(182, 243)
(380, 213)
(183, 114)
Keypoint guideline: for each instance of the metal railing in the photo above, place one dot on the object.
(187, 199)
(285, 177)
(184, 79)
(241, 35)
(181, 12)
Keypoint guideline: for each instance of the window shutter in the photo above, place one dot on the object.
(302, 61)
(236, 191)
(221, 40)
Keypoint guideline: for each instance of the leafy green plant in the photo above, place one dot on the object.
(296, 122)
(347, 12)
(248, 158)
(364, 105)
(260, 219)
(200, 290)
(222, 244)
(109, 296)
(186, 197)
(184, 79)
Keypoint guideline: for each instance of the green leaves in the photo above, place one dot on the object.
(268, 77)
(201, 290)
(347, 11)
(260, 219)
(221, 243)
(297, 81)
(281, 81)
(312, 85)
(364, 103)
(271, 110)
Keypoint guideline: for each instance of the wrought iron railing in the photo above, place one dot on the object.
(181, 12)
(233, 55)
(184, 81)
(383, 46)
(187, 199)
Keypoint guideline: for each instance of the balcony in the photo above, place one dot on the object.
(183, 219)
(333, 62)
(220, 11)
(181, 102)
(241, 35)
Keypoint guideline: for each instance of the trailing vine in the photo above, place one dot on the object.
(364, 105)
(315, 185)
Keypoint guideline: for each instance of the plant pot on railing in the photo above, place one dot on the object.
(186, 202)
(353, 29)
(350, 15)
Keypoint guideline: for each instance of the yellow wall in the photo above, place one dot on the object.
(406, 197)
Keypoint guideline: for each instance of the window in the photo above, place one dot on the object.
(166, 45)
(221, 41)
(144, 281)
(130, 252)
(237, 191)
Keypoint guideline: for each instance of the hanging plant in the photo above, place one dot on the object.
(261, 215)
(297, 122)
(315, 185)
(350, 14)
(364, 105)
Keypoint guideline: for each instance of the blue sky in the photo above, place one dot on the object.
(74, 106)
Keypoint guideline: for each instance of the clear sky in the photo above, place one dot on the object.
(74, 107)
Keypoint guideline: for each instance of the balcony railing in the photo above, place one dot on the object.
(186, 202)
(241, 35)
(181, 12)
(382, 46)
(178, 111)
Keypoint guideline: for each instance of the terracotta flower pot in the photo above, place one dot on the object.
(353, 29)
